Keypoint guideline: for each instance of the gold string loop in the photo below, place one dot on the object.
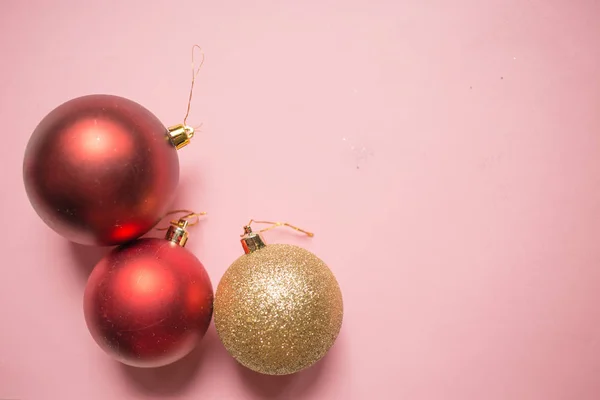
(247, 228)
(181, 134)
(192, 218)
(195, 71)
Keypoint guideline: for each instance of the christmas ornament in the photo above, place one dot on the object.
(278, 308)
(148, 303)
(102, 169)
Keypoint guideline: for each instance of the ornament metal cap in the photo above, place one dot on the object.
(177, 232)
(251, 241)
(180, 135)
(177, 229)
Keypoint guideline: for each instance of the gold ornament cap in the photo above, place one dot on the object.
(180, 135)
(177, 232)
(251, 241)
(177, 229)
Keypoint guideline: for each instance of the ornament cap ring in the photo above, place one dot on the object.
(177, 229)
(180, 135)
(177, 232)
(251, 241)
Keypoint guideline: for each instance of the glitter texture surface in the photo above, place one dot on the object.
(278, 310)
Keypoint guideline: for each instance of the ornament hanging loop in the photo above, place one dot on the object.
(273, 226)
(177, 229)
(252, 241)
(195, 72)
(181, 134)
(191, 218)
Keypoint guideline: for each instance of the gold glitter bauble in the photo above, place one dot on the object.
(278, 309)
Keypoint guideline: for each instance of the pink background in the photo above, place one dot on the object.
(446, 153)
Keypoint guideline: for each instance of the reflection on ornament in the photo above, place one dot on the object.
(149, 303)
(278, 308)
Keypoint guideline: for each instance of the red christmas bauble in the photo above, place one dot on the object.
(101, 169)
(148, 303)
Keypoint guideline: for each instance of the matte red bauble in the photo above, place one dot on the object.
(102, 169)
(148, 303)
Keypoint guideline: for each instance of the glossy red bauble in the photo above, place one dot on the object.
(148, 303)
(101, 169)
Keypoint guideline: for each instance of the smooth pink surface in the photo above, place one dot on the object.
(446, 153)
